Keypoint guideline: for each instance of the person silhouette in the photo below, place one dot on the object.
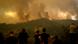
(44, 37)
(11, 39)
(37, 37)
(1, 38)
(56, 40)
(72, 34)
(23, 37)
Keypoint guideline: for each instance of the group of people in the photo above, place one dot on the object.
(23, 37)
(70, 37)
(43, 38)
(12, 39)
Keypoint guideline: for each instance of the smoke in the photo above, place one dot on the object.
(19, 6)
(61, 6)
(34, 9)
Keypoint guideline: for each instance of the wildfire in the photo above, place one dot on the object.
(73, 17)
(10, 14)
(62, 15)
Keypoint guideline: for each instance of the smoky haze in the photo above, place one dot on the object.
(28, 10)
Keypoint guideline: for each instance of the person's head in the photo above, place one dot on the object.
(11, 33)
(23, 30)
(37, 31)
(1, 34)
(44, 30)
(72, 27)
(56, 37)
(72, 23)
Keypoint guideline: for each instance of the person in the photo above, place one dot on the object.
(11, 39)
(44, 37)
(72, 34)
(56, 40)
(23, 37)
(1, 38)
(37, 37)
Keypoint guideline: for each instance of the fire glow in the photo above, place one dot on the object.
(11, 14)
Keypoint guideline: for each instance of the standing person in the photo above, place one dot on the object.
(72, 35)
(11, 39)
(23, 37)
(37, 37)
(44, 37)
(56, 40)
(1, 38)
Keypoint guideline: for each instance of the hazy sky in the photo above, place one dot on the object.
(11, 11)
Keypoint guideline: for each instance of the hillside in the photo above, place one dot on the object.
(53, 27)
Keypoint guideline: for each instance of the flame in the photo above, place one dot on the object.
(58, 14)
(11, 17)
(73, 17)
(10, 14)
(62, 15)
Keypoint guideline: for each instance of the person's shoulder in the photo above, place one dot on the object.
(46, 34)
(20, 33)
(41, 34)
